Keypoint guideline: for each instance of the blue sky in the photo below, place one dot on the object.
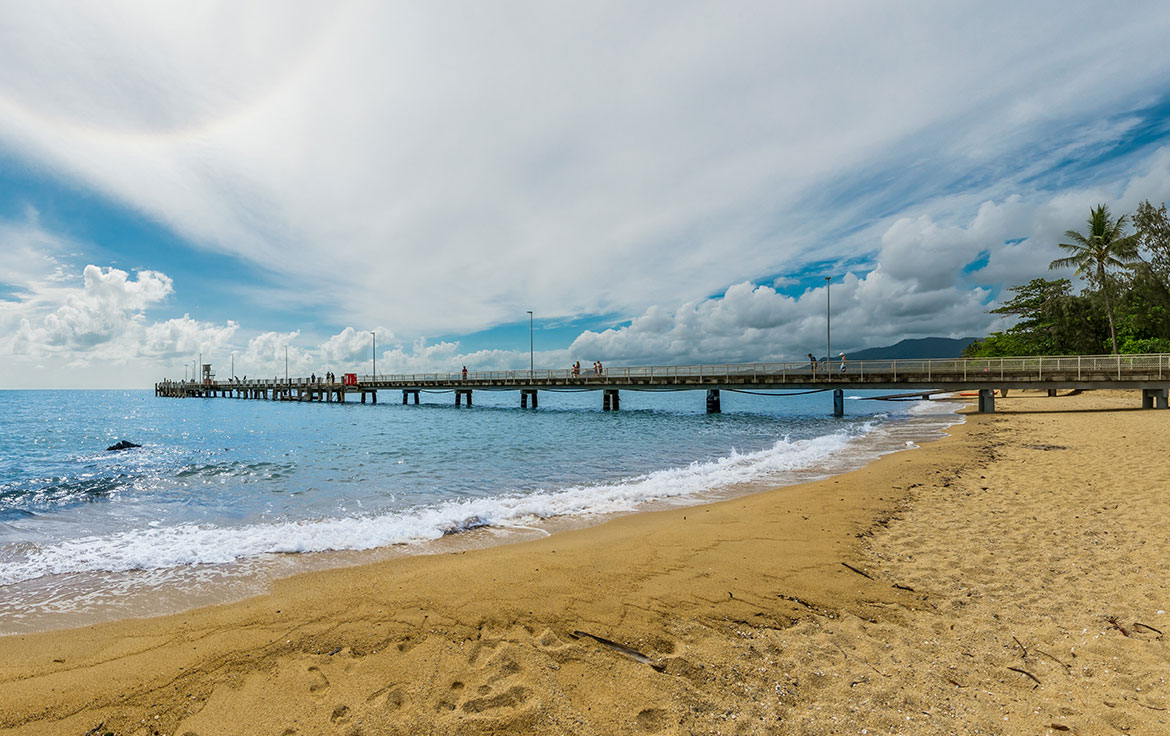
(657, 185)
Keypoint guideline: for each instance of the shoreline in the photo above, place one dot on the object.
(1005, 579)
(488, 640)
(104, 596)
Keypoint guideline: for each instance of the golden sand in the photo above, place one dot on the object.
(1008, 579)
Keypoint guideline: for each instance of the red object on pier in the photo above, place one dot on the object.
(349, 379)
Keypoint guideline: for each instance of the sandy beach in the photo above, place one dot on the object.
(1006, 579)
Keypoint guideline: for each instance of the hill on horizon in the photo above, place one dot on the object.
(916, 348)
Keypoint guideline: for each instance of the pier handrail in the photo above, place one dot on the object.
(1145, 366)
(968, 368)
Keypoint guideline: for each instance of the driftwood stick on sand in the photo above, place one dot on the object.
(1027, 673)
(1054, 659)
(1136, 624)
(862, 573)
(1113, 621)
(633, 654)
(1024, 648)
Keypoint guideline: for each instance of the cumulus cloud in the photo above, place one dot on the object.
(104, 320)
(455, 165)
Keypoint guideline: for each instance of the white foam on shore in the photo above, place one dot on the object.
(191, 544)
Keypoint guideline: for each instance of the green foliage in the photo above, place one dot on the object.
(1153, 234)
(1095, 255)
(1124, 307)
(1052, 321)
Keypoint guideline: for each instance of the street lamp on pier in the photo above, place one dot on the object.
(373, 355)
(286, 364)
(531, 354)
(828, 320)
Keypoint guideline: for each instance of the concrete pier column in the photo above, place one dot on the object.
(363, 397)
(838, 402)
(713, 401)
(373, 397)
(527, 395)
(986, 401)
(1155, 398)
(610, 400)
(415, 397)
(1052, 392)
(404, 393)
(523, 399)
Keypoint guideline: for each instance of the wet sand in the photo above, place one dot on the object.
(1007, 579)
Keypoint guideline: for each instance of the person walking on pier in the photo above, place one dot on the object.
(464, 373)
(812, 359)
(842, 362)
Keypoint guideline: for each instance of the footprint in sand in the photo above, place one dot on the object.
(652, 720)
(513, 696)
(319, 681)
(393, 698)
(340, 714)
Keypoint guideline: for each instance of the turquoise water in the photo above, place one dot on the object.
(223, 483)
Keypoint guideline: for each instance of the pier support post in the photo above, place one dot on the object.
(1052, 392)
(713, 401)
(363, 397)
(986, 401)
(610, 400)
(404, 393)
(525, 396)
(838, 402)
(1155, 398)
(460, 393)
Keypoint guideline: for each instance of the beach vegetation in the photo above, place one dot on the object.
(1123, 307)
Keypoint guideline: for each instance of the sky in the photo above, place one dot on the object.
(658, 182)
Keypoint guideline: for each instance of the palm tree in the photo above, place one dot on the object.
(1105, 246)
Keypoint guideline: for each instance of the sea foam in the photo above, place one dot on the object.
(202, 544)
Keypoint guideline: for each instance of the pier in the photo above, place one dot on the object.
(912, 378)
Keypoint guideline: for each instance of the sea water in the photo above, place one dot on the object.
(226, 494)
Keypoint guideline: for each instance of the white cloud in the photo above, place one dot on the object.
(454, 165)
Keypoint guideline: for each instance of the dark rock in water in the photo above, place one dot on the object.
(123, 445)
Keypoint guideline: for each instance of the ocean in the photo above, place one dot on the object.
(227, 494)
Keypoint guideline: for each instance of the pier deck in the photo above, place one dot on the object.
(1148, 373)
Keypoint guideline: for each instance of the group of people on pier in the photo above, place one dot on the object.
(598, 369)
(813, 362)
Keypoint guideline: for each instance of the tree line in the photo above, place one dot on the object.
(1124, 306)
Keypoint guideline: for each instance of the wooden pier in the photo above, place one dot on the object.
(1148, 373)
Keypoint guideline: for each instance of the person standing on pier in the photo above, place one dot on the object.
(842, 362)
(464, 373)
(812, 359)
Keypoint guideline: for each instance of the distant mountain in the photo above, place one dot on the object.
(923, 347)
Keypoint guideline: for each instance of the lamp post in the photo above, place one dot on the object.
(233, 365)
(286, 364)
(531, 354)
(828, 320)
(200, 368)
(374, 354)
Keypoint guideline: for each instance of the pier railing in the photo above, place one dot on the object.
(1080, 367)
(1102, 368)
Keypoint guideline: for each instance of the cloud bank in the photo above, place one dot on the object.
(442, 168)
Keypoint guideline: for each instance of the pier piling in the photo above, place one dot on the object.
(713, 401)
(838, 402)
